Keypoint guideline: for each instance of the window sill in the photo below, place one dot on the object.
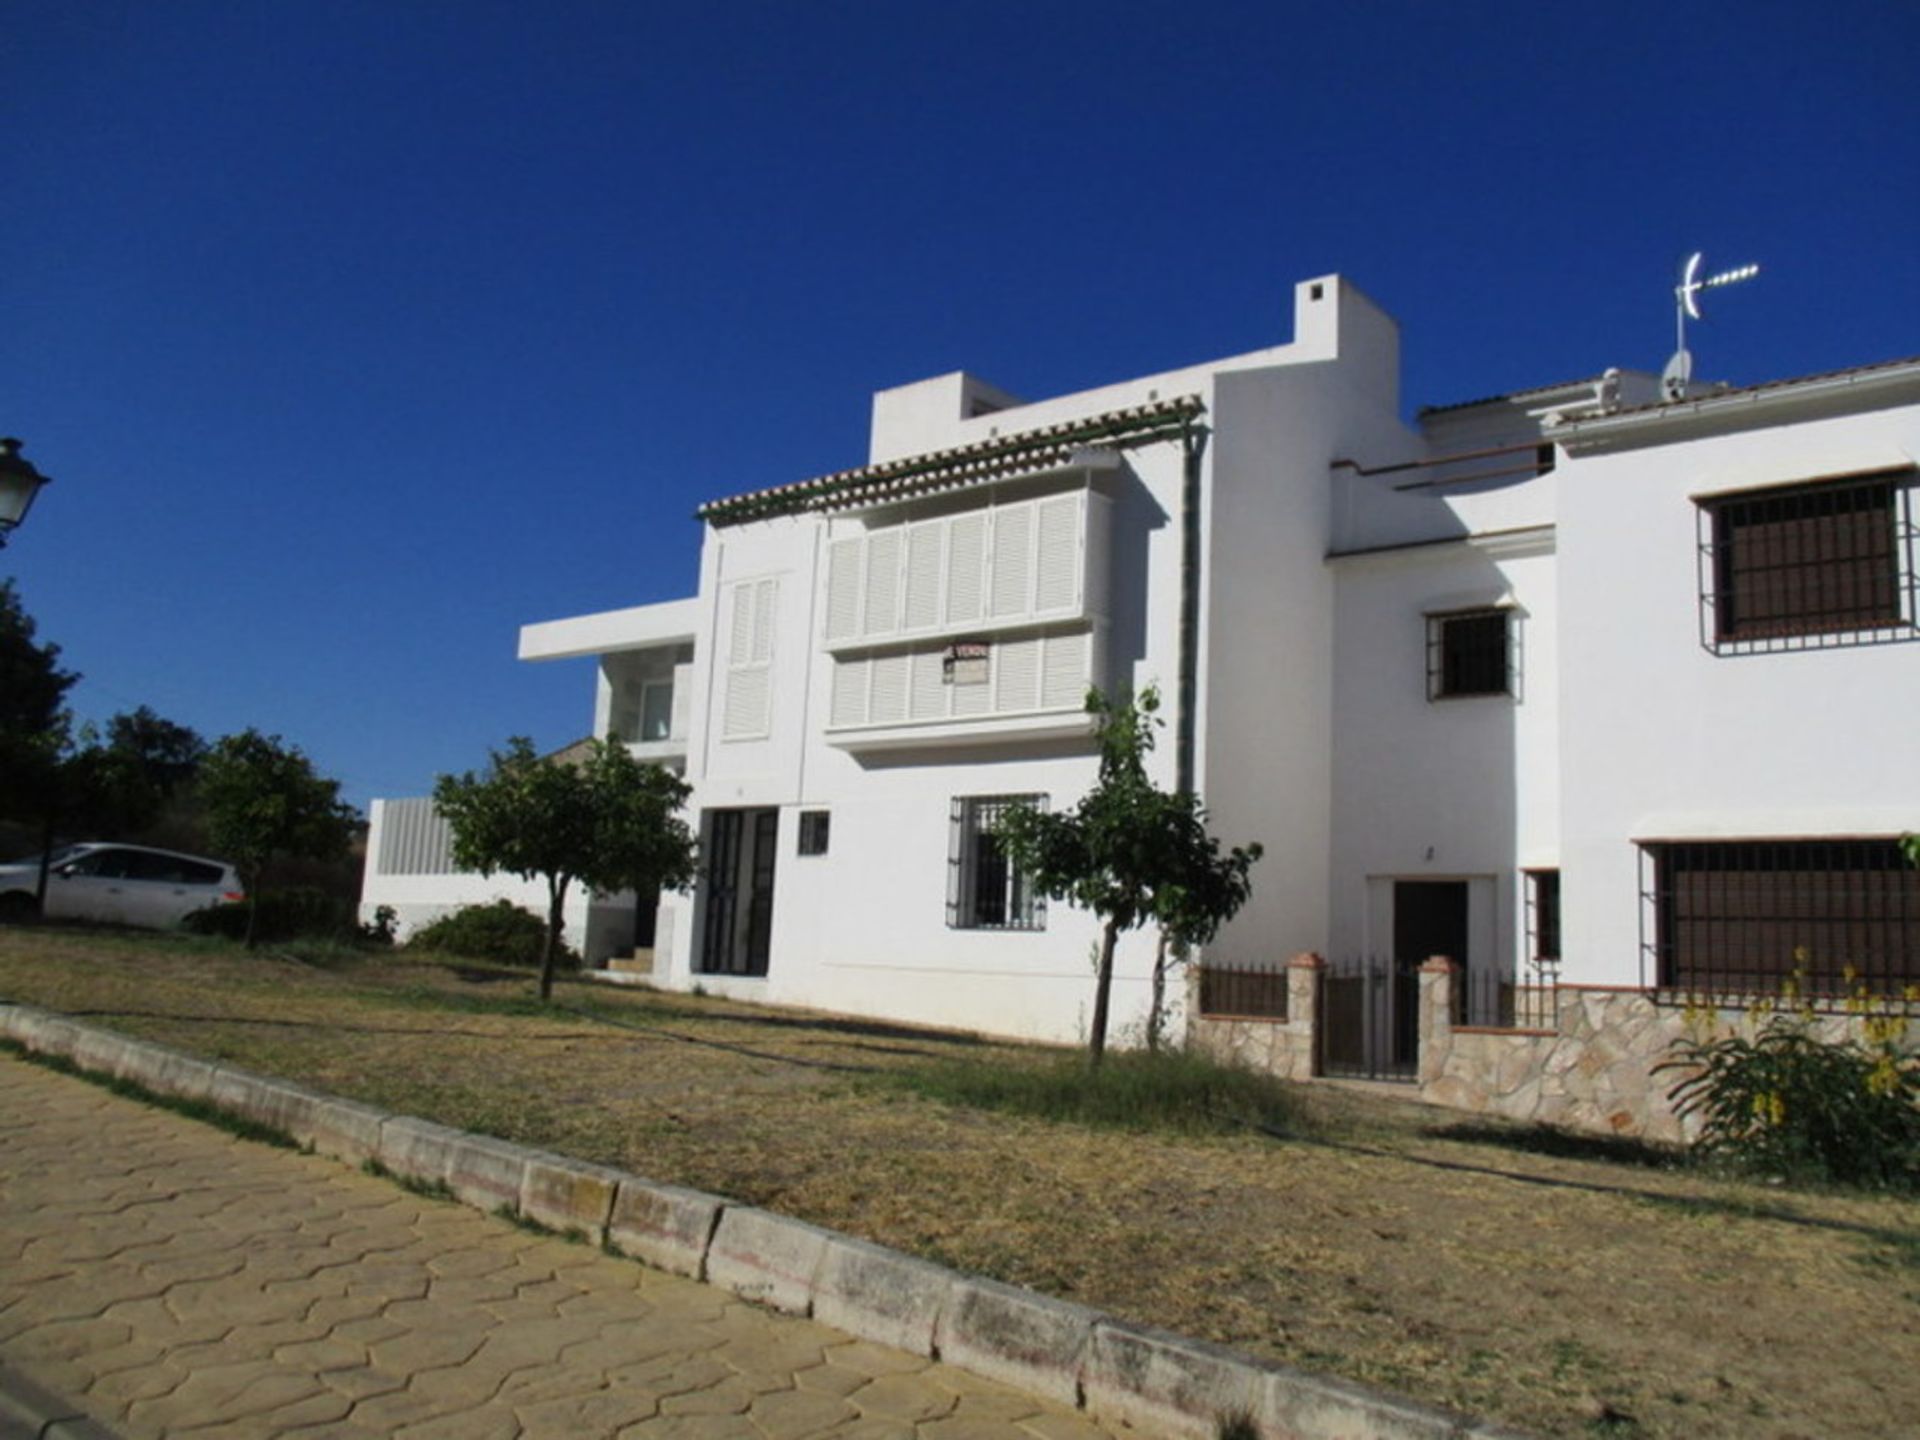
(1073, 724)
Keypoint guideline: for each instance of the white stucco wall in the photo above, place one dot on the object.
(1660, 738)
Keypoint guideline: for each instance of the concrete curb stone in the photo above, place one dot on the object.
(880, 1294)
(416, 1149)
(1018, 1337)
(488, 1173)
(278, 1104)
(30, 1413)
(667, 1226)
(167, 1071)
(1165, 1384)
(767, 1258)
(566, 1195)
(1119, 1373)
(344, 1129)
(1296, 1403)
(41, 1030)
(103, 1050)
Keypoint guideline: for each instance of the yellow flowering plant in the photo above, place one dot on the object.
(1785, 1102)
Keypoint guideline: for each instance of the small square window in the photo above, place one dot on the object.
(1469, 653)
(984, 890)
(814, 827)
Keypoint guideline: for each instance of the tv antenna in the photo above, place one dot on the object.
(1686, 306)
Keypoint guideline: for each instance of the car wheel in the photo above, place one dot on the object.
(17, 908)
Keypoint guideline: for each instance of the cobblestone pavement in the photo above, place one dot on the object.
(169, 1279)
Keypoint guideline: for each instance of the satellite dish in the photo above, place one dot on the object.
(1675, 379)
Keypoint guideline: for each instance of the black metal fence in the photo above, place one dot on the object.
(1246, 992)
(1370, 1018)
(1493, 999)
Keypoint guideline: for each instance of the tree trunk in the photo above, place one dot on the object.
(252, 882)
(1156, 1012)
(556, 900)
(46, 854)
(1102, 990)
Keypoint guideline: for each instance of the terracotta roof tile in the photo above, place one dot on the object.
(1029, 450)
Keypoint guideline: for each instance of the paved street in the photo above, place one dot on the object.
(168, 1279)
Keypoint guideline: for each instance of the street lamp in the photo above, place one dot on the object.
(19, 483)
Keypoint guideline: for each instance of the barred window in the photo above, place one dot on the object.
(984, 890)
(815, 826)
(1468, 653)
(1805, 566)
(1741, 917)
(1543, 917)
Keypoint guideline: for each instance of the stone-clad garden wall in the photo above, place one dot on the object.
(1594, 1067)
(1593, 1071)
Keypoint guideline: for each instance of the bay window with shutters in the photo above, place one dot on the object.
(986, 891)
(1808, 566)
(968, 619)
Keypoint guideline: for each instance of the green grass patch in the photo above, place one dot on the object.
(1174, 1092)
(201, 1110)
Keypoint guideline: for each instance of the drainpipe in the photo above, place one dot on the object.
(1193, 443)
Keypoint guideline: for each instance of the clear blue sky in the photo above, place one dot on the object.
(357, 334)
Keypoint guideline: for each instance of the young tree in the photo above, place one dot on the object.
(263, 798)
(1130, 851)
(605, 820)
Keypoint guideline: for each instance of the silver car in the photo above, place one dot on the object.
(117, 884)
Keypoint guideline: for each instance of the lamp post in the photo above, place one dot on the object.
(19, 483)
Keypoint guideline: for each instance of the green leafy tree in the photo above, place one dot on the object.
(35, 727)
(603, 819)
(1129, 851)
(115, 783)
(263, 799)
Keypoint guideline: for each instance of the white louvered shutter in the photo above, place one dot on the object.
(1012, 592)
(846, 559)
(748, 712)
(1057, 562)
(928, 700)
(1016, 679)
(887, 700)
(881, 615)
(966, 567)
(1064, 673)
(923, 575)
(850, 690)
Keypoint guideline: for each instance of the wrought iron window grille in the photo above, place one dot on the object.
(1472, 653)
(986, 891)
(1820, 922)
(1807, 567)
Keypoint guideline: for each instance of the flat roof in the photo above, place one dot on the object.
(638, 627)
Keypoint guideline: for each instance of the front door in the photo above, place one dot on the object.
(1429, 919)
(741, 846)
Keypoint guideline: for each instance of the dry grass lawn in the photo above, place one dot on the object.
(1571, 1294)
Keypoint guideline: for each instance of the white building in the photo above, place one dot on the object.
(1573, 632)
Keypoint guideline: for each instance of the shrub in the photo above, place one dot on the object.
(296, 913)
(501, 932)
(1787, 1103)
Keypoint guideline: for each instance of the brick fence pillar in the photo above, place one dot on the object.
(1437, 979)
(1306, 978)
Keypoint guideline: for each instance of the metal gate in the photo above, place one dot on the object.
(1370, 1018)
